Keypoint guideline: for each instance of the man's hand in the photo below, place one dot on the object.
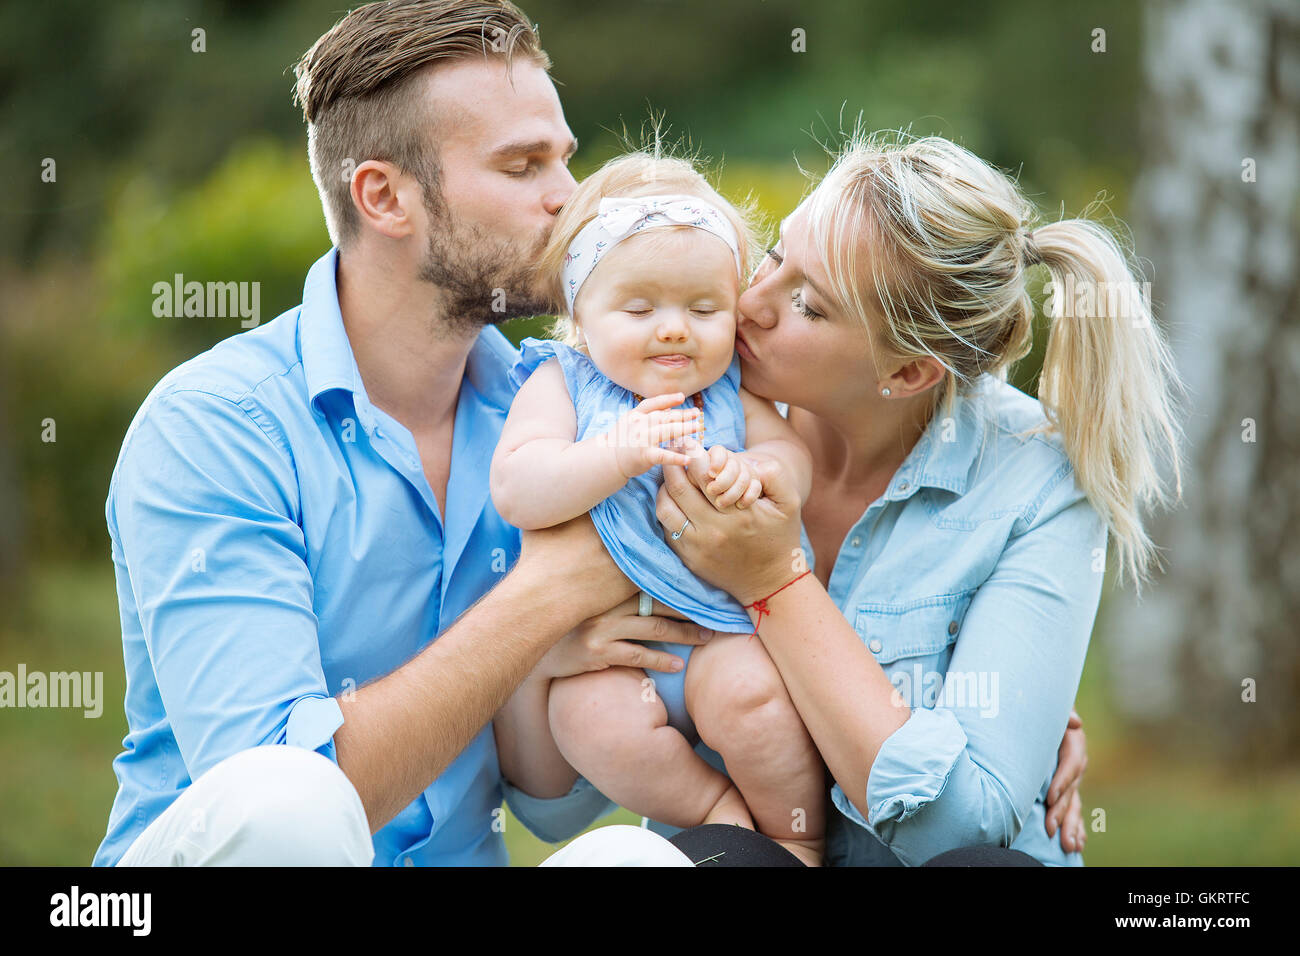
(573, 557)
(1064, 805)
(608, 640)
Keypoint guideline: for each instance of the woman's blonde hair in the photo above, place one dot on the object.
(949, 242)
(635, 174)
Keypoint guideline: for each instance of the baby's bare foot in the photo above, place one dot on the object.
(809, 852)
(731, 808)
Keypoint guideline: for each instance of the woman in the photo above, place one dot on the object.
(959, 527)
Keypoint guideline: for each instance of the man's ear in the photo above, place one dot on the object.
(383, 198)
(914, 377)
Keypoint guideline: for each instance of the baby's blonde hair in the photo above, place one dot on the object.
(635, 174)
(948, 245)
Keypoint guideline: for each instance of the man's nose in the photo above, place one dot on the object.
(560, 193)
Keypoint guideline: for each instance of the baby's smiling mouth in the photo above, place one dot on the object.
(672, 359)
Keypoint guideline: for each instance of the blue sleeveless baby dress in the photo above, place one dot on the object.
(626, 519)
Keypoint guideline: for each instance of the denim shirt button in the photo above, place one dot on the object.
(408, 862)
(903, 486)
(952, 627)
(875, 645)
(857, 541)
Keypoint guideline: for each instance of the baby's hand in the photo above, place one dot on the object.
(729, 481)
(636, 436)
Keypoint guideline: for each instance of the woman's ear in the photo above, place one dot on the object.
(913, 377)
(382, 195)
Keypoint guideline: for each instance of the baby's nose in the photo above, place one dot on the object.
(673, 328)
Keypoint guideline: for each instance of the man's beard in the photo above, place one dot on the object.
(484, 280)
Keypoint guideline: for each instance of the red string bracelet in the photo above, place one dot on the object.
(761, 604)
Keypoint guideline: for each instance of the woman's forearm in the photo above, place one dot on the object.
(846, 701)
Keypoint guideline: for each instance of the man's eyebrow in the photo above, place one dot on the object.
(780, 231)
(521, 148)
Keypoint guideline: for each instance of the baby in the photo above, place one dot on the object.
(649, 261)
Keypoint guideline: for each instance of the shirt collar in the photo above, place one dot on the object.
(328, 362)
(945, 454)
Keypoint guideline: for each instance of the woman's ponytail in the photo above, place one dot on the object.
(1107, 382)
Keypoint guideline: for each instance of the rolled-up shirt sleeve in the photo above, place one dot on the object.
(554, 819)
(205, 508)
(964, 776)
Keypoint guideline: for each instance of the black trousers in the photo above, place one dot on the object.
(719, 844)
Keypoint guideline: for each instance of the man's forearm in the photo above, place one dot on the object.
(402, 731)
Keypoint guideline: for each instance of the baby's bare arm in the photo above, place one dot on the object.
(541, 477)
(768, 434)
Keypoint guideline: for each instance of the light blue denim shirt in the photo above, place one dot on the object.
(276, 543)
(974, 580)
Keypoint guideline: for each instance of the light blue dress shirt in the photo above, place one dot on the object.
(276, 543)
(974, 580)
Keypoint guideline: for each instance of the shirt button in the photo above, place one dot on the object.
(857, 541)
(903, 486)
(952, 627)
(408, 862)
(875, 646)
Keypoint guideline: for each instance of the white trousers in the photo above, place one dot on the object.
(265, 806)
(286, 806)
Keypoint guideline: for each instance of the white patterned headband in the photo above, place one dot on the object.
(618, 218)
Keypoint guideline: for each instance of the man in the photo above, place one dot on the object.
(306, 552)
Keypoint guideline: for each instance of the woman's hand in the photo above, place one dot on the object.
(1064, 805)
(748, 553)
(608, 640)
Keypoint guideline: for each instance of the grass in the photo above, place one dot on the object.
(58, 782)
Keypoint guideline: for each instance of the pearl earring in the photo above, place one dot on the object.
(885, 391)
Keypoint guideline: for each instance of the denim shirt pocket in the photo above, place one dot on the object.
(912, 641)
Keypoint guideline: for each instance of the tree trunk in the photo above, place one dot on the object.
(1217, 208)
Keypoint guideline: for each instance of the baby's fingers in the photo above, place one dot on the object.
(658, 402)
(669, 431)
(718, 457)
(727, 476)
(665, 456)
(735, 492)
(752, 494)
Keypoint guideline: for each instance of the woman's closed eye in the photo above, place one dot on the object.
(796, 296)
(800, 306)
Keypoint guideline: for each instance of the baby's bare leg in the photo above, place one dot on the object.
(613, 729)
(742, 710)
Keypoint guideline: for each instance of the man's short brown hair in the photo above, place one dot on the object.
(358, 87)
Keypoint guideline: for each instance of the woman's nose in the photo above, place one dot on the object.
(752, 306)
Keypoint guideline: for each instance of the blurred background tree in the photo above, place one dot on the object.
(168, 160)
(1211, 654)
